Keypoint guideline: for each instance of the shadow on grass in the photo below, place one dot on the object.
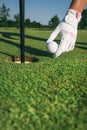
(81, 45)
(11, 35)
(15, 36)
(6, 54)
(30, 50)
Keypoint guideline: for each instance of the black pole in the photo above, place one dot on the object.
(22, 40)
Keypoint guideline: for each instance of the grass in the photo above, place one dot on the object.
(48, 95)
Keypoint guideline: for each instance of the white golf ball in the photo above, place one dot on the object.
(52, 47)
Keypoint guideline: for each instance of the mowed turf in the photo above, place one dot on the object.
(50, 94)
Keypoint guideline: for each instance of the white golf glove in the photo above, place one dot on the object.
(68, 29)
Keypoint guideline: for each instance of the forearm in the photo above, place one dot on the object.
(78, 5)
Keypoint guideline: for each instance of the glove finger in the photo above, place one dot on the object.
(54, 34)
(62, 46)
(72, 44)
(65, 44)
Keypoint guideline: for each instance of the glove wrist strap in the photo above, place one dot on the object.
(73, 17)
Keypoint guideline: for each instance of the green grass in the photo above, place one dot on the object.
(48, 95)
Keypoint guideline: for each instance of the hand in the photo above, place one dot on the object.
(68, 29)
